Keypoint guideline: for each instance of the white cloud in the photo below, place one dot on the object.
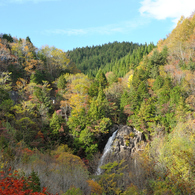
(67, 32)
(123, 27)
(162, 9)
(70, 32)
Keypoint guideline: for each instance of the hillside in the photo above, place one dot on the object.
(129, 62)
(90, 59)
(55, 120)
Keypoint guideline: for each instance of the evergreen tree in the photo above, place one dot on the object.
(61, 84)
(55, 123)
(101, 78)
(8, 38)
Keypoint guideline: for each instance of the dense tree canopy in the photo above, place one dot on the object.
(90, 59)
(57, 110)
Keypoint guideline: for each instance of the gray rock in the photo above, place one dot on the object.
(127, 141)
(14, 96)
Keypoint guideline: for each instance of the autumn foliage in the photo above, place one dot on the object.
(95, 187)
(51, 117)
(15, 185)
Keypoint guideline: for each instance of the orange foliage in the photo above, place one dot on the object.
(14, 185)
(95, 187)
(119, 80)
(27, 151)
(151, 82)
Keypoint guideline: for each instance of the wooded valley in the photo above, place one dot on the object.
(57, 111)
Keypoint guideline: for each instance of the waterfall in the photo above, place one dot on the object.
(105, 152)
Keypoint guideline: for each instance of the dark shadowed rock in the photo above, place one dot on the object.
(14, 96)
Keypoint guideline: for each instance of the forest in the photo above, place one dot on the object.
(57, 110)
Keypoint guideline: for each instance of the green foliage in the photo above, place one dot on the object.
(112, 174)
(159, 58)
(38, 77)
(77, 121)
(124, 99)
(28, 39)
(123, 65)
(182, 64)
(4, 95)
(90, 59)
(88, 124)
(175, 95)
(111, 78)
(34, 183)
(191, 65)
(158, 83)
(142, 91)
(42, 94)
(101, 79)
(6, 108)
(139, 76)
(131, 190)
(26, 132)
(3, 142)
(145, 115)
(8, 37)
(156, 97)
(174, 170)
(98, 106)
(6, 105)
(137, 96)
(73, 191)
(55, 123)
(156, 60)
(61, 84)
(5, 85)
(103, 126)
(93, 90)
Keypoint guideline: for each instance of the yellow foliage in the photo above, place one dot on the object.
(130, 81)
(175, 154)
(131, 190)
(160, 45)
(77, 92)
(69, 160)
(2, 164)
(141, 66)
(189, 76)
(162, 71)
(77, 101)
(95, 187)
(30, 65)
(177, 40)
(59, 58)
(63, 148)
(21, 83)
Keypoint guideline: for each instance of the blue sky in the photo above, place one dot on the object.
(68, 24)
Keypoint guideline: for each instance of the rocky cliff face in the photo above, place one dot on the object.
(127, 141)
(126, 145)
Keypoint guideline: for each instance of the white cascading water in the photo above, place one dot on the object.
(105, 152)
